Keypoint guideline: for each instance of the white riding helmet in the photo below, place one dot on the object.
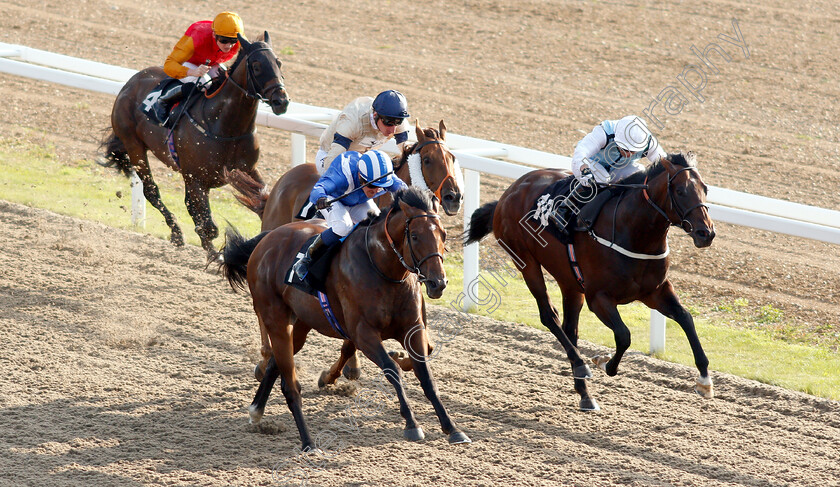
(373, 165)
(632, 134)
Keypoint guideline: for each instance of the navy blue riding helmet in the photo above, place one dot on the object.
(391, 103)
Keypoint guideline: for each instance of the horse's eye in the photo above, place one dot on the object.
(680, 191)
(426, 160)
(257, 67)
(413, 237)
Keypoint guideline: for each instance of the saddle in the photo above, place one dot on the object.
(554, 213)
(153, 109)
(315, 280)
(308, 212)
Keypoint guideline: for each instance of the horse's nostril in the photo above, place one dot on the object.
(448, 197)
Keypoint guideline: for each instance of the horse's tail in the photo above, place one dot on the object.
(115, 154)
(481, 223)
(252, 193)
(234, 257)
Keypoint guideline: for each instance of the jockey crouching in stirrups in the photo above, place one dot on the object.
(608, 154)
(356, 179)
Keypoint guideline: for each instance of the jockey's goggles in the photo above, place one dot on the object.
(390, 121)
(226, 40)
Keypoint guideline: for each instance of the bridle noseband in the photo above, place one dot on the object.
(449, 175)
(415, 268)
(681, 214)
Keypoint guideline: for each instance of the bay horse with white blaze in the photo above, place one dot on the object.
(623, 258)
(374, 287)
(214, 134)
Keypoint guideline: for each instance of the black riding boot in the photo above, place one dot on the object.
(314, 251)
(165, 102)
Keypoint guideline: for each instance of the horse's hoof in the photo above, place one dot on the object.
(582, 372)
(601, 361)
(351, 373)
(704, 387)
(589, 404)
(458, 437)
(414, 434)
(322, 381)
(255, 414)
(258, 373)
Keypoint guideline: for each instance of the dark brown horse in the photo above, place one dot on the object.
(384, 262)
(426, 164)
(434, 169)
(217, 132)
(635, 268)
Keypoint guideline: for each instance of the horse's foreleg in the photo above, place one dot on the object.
(419, 341)
(280, 334)
(666, 302)
(198, 206)
(348, 351)
(606, 311)
(532, 273)
(152, 194)
(371, 345)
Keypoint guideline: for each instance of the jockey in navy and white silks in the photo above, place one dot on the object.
(365, 123)
(610, 152)
(356, 178)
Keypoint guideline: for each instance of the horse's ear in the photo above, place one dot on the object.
(243, 42)
(266, 38)
(435, 203)
(420, 135)
(406, 209)
(442, 130)
(667, 164)
(691, 158)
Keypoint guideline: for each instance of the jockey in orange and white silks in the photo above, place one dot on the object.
(365, 123)
(610, 152)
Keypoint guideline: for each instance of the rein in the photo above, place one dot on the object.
(415, 269)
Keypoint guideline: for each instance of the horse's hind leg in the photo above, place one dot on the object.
(572, 304)
(606, 311)
(419, 341)
(266, 372)
(348, 351)
(666, 302)
(532, 273)
(151, 191)
(352, 369)
(198, 206)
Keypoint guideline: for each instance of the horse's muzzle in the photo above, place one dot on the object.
(703, 237)
(452, 202)
(435, 287)
(279, 102)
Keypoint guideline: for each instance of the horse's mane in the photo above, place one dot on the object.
(413, 197)
(655, 169)
(429, 132)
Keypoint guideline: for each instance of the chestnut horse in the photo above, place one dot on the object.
(372, 266)
(427, 164)
(622, 259)
(216, 133)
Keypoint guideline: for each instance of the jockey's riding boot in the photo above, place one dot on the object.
(301, 267)
(165, 102)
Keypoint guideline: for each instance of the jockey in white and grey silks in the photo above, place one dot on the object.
(607, 154)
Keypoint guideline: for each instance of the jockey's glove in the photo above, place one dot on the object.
(322, 203)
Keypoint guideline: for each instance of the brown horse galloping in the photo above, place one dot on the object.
(623, 259)
(217, 133)
(434, 169)
(374, 286)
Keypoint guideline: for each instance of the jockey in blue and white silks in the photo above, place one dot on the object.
(610, 152)
(356, 179)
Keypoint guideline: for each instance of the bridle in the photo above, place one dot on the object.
(681, 214)
(449, 175)
(253, 88)
(415, 267)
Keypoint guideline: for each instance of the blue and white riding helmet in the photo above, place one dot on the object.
(373, 165)
(391, 104)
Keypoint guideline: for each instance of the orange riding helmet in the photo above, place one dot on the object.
(227, 24)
